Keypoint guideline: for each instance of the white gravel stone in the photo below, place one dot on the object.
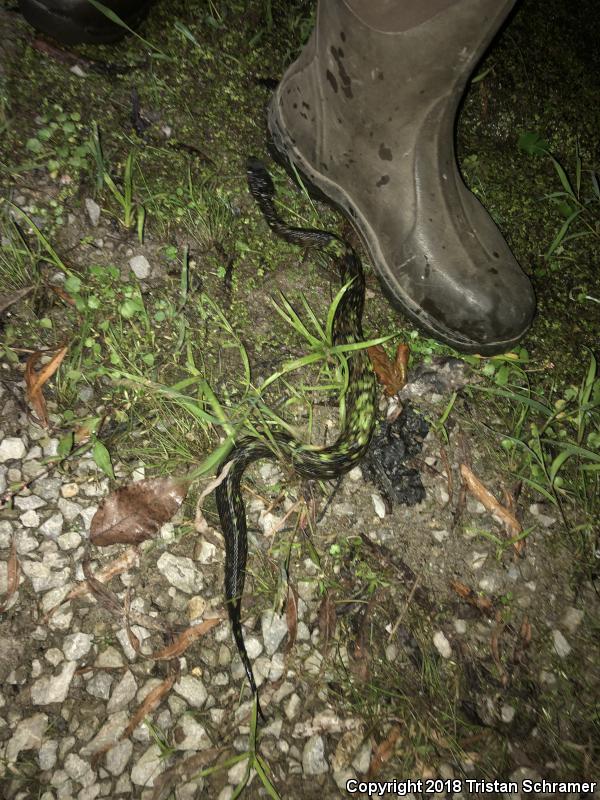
(118, 757)
(442, 645)
(477, 559)
(313, 756)
(193, 735)
(109, 733)
(123, 693)
(207, 552)
(42, 577)
(68, 509)
(53, 526)
(54, 597)
(378, 505)
(5, 533)
(507, 713)
(69, 541)
(78, 769)
(93, 211)
(561, 646)
(141, 266)
(47, 754)
(27, 736)
(109, 658)
(68, 490)
(76, 645)
(29, 503)
(148, 767)
(355, 474)
(48, 488)
(191, 689)
(30, 519)
(11, 447)
(253, 646)
(99, 685)
(572, 618)
(53, 689)
(292, 707)
(274, 628)
(180, 572)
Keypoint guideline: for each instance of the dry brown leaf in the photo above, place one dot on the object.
(291, 616)
(327, 618)
(105, 597)
(496, 509)
(184, 640)
(479, 601)
(116, 567)
(13, 572)
(391, 374)
(135, 512)
(151, 701)
(384, 751)
(35, 381)
(183, 772)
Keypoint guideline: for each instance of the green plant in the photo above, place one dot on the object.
(570, 200)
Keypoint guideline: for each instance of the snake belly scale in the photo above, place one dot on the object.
(307, 461)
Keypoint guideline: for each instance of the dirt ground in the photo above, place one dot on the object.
(391, 642)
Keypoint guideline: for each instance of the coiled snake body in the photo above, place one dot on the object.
(307, 460)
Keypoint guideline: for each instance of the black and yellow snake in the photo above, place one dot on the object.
(307, 460)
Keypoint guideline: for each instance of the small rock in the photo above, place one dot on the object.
(180, 572)
(313, 756)
(69, 541)
(572, 618)
(141, 267)
(440, 535)
(190, 735)
(442, 645)
(148, 767)
(355, 474)
(206, 553)
(11, 447)
(561, 646)
(123, 693)
(253, 647)
(118, 756)
(537, 511)
(109, 658)
(42, 577)
(68, 509)
(507, 713)
(93, 211)
(191, 689)
(362, 761)
(52, 528)
(274, 628)
(27, 736)
(78, 769)
(292, 707)
(109, 733)
(76, 645)
(68, 490)
(47, 754)
(29, 503)
(196, 607)
(460, 626)
(378, 505)
(30, 519)
(477, 559)
(99, 685)
(53, 689)
(54, 656)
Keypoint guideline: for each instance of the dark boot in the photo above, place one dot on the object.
(75, 21)
(366, 114)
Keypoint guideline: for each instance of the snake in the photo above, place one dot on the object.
(308, 461)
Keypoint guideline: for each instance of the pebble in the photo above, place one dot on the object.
(48, 488)
(196, 607)
(53, 689)
(99, 685)
(561, 646)
(253, 647)
(11, 448)
(140, 266)
(477, 559)
(442, 645)
(29, 503)
(148, 767)
(274, 628)
(180, 572)
(109, 733)
(206, 552)
(118, 757)
(313, 756)
(572, 618)
(68, 490)
(52, 527)
(79, 770)
(93, 211)
(30, 519)
(27, 736)
(76, 645)
(123, 693)
(68, 509)
(378, 505)
(440, 535)
(191, 689)
(54, 656)
(355, 474)
(42, 577)
(109, 658)
(47, 754)
(69, 541)
(190, 735)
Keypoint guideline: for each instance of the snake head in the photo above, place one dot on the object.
(259, 181)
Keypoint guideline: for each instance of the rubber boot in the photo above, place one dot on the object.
(75, 21)
(366, 115)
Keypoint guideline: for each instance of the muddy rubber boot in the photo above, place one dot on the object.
(366, 115)
(75, 21)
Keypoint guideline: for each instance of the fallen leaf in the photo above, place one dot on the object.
(384, 751)
(13, 572)
(291, 617)
(327, 618)
(151, 701)
(392, 374)
(479, 601)
(496, 509)
(35, 381)
(183, 772)
(184, 640)
(135, 512)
